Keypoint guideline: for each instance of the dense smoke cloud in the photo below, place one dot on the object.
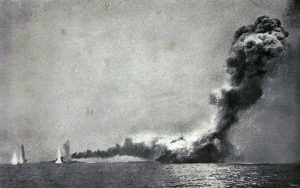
(251, 59)
(269, 131)
(249, 62)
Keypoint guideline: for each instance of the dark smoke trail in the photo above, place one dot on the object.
(23, 153)
(251, 59)
(129, 148)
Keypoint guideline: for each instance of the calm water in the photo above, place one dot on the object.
(149, 174)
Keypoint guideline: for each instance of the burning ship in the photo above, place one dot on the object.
(252, 59)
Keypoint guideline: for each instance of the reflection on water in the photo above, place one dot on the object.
(234, 175)
(149, 174)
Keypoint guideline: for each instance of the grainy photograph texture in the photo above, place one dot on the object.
(149, 93)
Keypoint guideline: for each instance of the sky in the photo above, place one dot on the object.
(97, 72)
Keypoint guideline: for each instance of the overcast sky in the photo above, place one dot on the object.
(96, 72)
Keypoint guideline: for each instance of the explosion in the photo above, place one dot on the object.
(251, 59)
(249, 62)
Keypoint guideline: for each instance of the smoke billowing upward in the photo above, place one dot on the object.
(252, 58)
(269, 131)
(250, 61)
(67, 151)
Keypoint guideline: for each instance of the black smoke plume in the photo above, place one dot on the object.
(249, 63)
(23, 153)
(252, 58)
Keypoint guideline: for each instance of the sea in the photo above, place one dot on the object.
(149, 174)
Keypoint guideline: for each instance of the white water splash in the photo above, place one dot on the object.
(14, 159)
(58, 161)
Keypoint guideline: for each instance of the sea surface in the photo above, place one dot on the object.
(149, 174)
